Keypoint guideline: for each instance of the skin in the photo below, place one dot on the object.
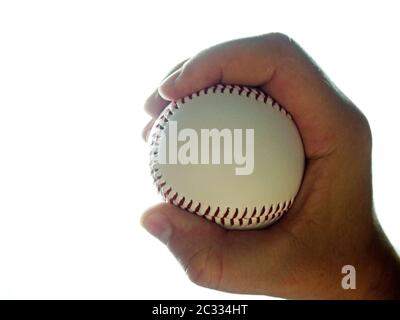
(332, 222)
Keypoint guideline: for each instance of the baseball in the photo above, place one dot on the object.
(228, 153)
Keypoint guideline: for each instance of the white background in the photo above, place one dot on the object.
(73, 168)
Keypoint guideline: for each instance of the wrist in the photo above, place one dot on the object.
(384, 270)
(377, 271)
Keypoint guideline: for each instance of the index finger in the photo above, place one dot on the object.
(155, 104)
(280, 67)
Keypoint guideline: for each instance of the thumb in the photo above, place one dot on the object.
(229, 260)
(194, 241)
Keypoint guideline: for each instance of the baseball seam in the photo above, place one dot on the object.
(226, 217)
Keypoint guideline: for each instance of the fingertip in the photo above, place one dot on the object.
(167, 88)
(155, 104)
(157, 224)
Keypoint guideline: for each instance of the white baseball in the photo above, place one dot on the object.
(215, 191)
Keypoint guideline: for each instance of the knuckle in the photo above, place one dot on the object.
(279, 40)
(365, 129)
(196, 269)
(362, 126)
(279, 44)
(189, 67)
(277, 36)
(203, 268)
(178, 66)
(197, 275)
(358, 134)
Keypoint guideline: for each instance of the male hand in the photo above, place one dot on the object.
(331, 223)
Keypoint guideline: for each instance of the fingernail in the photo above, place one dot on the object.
(158, 225)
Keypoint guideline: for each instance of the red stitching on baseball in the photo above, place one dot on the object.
(162, 184)
(166, 193)
(245, 212)
(226, 212)
(181, 202)
(189, 205)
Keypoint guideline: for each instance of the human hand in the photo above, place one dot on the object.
(331, 223)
